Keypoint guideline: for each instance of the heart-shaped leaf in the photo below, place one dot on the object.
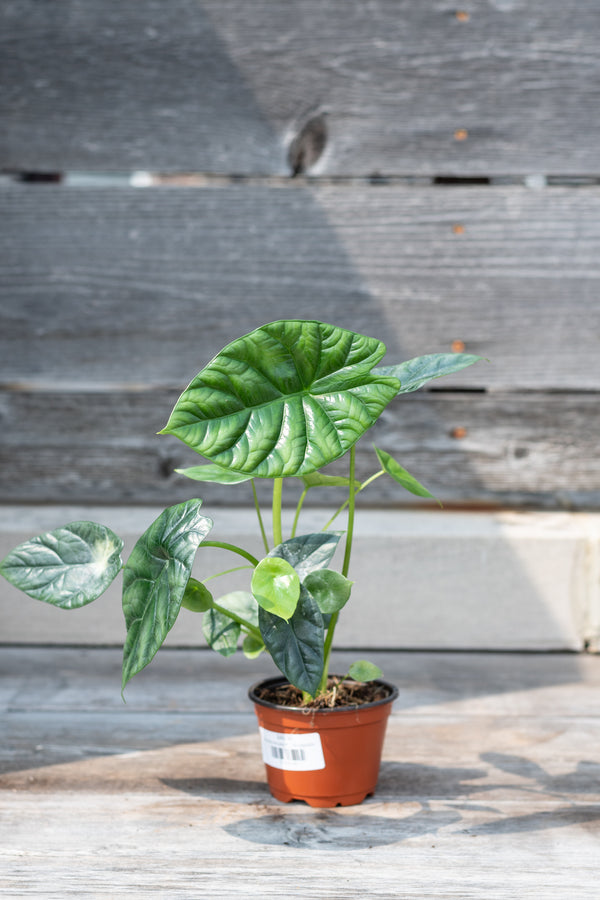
(276, 586)
(155, 578)
(68, 567)
(286, 399)
(395, 471)
(414, 373)
(308, 552)
(296, 646)
(329, 588)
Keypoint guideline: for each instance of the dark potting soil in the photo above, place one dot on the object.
(339, 693)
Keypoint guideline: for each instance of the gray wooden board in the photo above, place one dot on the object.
(528, 449)
(224, 85)
(488, 786)
(140, 287)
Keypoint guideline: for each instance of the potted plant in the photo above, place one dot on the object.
(281, 402)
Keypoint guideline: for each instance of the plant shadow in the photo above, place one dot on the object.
(425, 798)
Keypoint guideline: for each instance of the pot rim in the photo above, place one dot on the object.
(327, 710)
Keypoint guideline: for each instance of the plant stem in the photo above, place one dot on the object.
(277, 492)
(298, 508)
(234, 549)
(351, 507)
(260, 519)
(251, 629)
(225, 572)
(364, 485)
(352, 492)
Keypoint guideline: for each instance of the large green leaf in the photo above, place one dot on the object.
(414, 373)
(68, 567)
(155, 579)
(286, 399)
(296, 646)
(308, 552)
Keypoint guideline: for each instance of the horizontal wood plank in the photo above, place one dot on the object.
(225, 85)
(531, 449)
(488, 784)
(141, 287)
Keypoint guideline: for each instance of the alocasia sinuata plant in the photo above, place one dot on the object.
(281, 402)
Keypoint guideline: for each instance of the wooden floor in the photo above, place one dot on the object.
(489, 787)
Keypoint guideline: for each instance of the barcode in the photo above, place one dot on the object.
(285, 753)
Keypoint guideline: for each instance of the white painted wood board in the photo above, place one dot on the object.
(459, 580)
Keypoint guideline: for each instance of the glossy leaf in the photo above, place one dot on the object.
(243, 604)
(221, 632)
(214, 474)
(197, 597)
(414, 373)
(286, 399)
(276, 586)
(400, 475)
(317, 479)
(155, 578)
(68, 567)
(329, 588)
(296, 646)
(252, 646)
(362, 670)
(308, 552)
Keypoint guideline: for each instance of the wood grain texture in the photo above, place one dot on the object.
(224, 85)
(533, 449)
(488, 785)
(141, 287)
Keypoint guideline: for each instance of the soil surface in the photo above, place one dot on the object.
(339, 693)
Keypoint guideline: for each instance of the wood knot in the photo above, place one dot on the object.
(308, 145)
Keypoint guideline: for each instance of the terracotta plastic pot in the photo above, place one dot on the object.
(326, 757)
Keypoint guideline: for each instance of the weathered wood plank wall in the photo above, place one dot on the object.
(112, 296)
(172, 175)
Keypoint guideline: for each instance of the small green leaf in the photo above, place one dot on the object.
(252, 646)
(414, 373)
(215, 474)
(221, 632)
(364, 671)
(317, 479)
(395, 471)
(330, 589)
(155, 578)
(242, 604)
(276, 586)
(197, 597)
(297, 646)
(68, 567)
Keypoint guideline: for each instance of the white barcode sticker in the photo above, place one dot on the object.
(292, 752)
